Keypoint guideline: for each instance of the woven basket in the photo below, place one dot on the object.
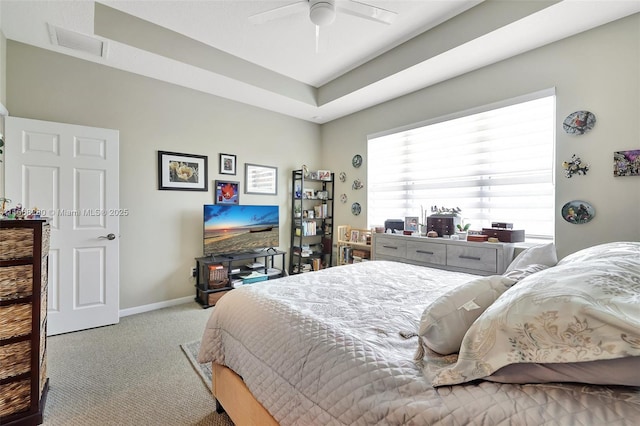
(218, 276)
(15, 359)
(15, 397)
(46, 237)
(16, 243)
(16, 282)
(214, 297)
(15, 320)
(43, 374)
(43, 309)
(43, 344)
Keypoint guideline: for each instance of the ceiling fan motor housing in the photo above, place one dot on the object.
(322, 12)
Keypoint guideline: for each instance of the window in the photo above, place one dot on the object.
(495, 165)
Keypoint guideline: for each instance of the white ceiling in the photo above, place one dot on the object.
(210, 46)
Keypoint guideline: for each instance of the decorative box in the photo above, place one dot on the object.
(505, 235)
(442, 224)
(478, 238)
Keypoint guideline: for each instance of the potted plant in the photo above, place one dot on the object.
(462, 231)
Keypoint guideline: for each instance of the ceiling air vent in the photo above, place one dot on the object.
(76, 41)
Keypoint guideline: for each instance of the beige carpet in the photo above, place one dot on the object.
(132, 373)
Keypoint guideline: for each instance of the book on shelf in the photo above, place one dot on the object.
(254, 277)
(255, 265)
(272, 272)
(307, 229)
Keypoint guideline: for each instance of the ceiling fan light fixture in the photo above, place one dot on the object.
(322, 12)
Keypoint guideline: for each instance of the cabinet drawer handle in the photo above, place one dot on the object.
(469, 257)
(391, 247)
(424, 252)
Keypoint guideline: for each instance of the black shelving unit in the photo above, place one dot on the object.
(311, 233)
(237, 266)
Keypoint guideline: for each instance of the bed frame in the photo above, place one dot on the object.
(234, 397)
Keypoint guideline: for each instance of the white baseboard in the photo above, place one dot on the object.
(154, 306)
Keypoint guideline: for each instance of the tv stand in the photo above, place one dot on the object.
(236, 266)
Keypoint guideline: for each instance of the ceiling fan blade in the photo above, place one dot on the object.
(279, 12)
(321, 39)
(366, 11)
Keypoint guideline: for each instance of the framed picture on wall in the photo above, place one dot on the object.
(227, 164)
(182, 172)
(260, 179)
(227, 192)
(626, 163)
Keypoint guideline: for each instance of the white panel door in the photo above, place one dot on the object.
(71, 172)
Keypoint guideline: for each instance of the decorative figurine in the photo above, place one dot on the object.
(575, 166)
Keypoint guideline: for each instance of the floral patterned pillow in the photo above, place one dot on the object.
(576, 312)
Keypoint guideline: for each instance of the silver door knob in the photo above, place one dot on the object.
(108, 237)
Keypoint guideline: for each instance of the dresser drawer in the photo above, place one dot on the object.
(391, 247)
(435, 254)
(478, 258)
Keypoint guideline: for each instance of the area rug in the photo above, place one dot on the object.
(204, 370)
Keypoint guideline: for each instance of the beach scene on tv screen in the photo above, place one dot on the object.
(237, 229)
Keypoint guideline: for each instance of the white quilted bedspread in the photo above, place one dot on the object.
(324, 348)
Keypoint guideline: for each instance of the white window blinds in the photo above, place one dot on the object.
(496, 165)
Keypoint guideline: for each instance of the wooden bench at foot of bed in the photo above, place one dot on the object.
(236, 399)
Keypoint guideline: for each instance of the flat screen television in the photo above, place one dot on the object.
(240, 228)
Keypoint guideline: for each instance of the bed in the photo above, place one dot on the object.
(544, 343)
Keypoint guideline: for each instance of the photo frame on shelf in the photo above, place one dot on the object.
(227, 164)
(260, 179)
(354, 237)
(182, 172)
(324, 174)
(227, 192)
(411, 223)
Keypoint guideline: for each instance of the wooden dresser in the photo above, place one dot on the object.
(24, 251)
(443, 253)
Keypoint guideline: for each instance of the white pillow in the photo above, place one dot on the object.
(446, 320)
(542, 255)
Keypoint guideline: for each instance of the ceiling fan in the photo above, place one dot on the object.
(323, 12)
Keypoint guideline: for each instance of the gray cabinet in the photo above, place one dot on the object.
(443, 253)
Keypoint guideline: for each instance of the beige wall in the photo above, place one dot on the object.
(598, 70)
(163, 233)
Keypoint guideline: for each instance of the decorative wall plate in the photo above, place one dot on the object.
(578, 212)
(357, 184)
(343, 198)
(579, 122)
(357, 160)
(343, 177)
(356, 209)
